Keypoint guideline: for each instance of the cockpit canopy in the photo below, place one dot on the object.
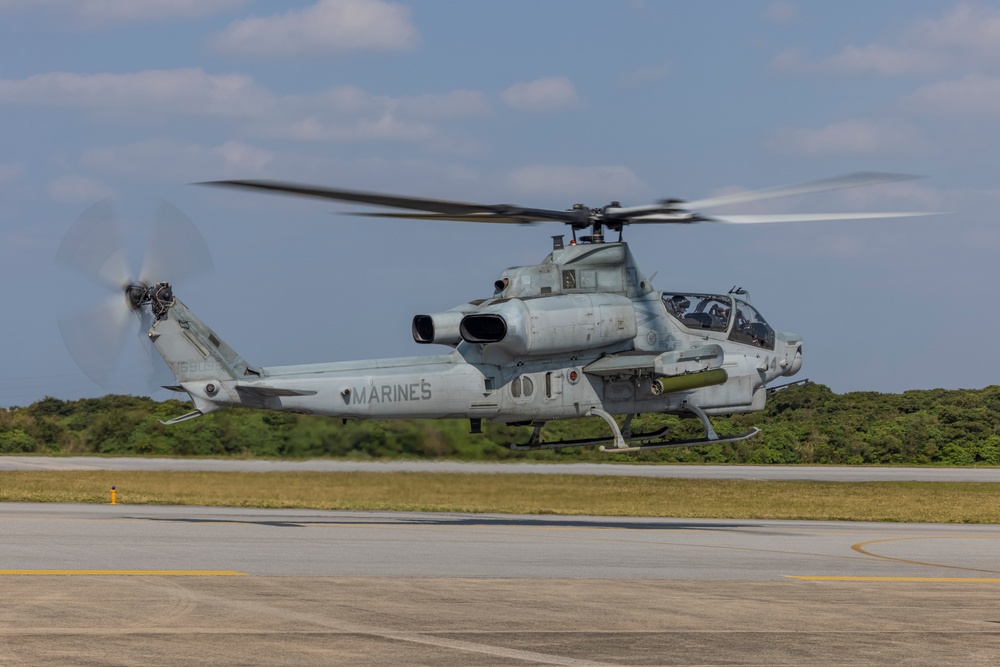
(721, 313)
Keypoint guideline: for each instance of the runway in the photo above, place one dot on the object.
(87, 584)
(812, 473)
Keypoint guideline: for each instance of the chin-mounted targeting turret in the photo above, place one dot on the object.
(158, 296)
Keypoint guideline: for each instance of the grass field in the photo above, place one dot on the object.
(937, 502)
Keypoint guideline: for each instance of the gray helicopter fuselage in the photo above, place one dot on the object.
(583, 333)
(583, 330)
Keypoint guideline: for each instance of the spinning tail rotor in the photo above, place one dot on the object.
(98, 337)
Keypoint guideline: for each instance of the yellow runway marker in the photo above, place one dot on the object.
(154, 573)
(946, 579)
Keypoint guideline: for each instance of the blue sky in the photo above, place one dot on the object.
(543, 104)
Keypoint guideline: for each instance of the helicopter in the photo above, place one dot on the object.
(581, 334)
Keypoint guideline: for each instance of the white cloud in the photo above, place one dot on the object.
(968, 27)
(443, 106)
(78, 189)
(850, 137)
(168, 160)
(126, 11)
(968, 35)
(236, 154)
(345, 113)
(150, 94)
(329, 26)
(385, 127)
(541, 94)
(574, 181)
(456, 104)
(972, 95)
(192, 92)
(913, 195)
(97, 13)
(10, 170)
(351, 115)
(884, 60)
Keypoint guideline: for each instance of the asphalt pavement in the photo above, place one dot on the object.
(140, 585)
(814, 473)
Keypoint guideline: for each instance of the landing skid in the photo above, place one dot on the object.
(683, 443)
(645, 441)
(623, 437)
(654, 435)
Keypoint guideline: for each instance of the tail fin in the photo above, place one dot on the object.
(200, 360)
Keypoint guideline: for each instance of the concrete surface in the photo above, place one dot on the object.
(816, 473)
(304, 587)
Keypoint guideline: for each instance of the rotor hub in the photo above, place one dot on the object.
(159, 297)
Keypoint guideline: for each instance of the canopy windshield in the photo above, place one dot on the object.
(715, 312)
(700, 311)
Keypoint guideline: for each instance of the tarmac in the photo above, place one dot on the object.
(745, 472)
(141, 585)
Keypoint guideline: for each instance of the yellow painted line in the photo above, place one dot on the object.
(994, 580)
(157, 573)
(860, 547)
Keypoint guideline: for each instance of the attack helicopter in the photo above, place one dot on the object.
(582, 334)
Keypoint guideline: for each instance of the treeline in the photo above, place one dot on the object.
(806, 424)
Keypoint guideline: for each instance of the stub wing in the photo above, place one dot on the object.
(659, 365)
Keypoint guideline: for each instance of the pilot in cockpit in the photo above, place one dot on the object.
(720, 313)
(742, 323)
(678, 305)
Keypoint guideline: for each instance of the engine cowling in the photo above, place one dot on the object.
(552, 324)
(440, 328)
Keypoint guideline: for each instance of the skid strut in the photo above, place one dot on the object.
(710, 433)
(616, 432)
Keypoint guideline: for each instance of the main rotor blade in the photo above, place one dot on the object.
(394, 201)
(93, 247)
(176, 251)
(471, 217)
(838, 183)
(399, 201)
(813, 217)
(773, 217)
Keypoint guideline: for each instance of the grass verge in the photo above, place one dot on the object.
(935, 502)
